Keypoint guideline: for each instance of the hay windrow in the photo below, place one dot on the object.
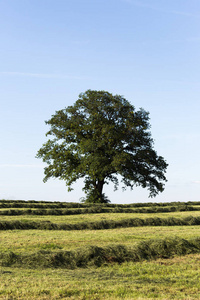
(97, 256)
(99, 225)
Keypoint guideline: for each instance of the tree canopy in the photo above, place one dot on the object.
(98, 138)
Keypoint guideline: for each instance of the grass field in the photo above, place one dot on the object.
(128, 262)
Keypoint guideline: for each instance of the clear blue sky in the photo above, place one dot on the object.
(146, 50)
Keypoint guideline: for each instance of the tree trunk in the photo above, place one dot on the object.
(99, 187)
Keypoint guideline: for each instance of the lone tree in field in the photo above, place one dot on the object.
(99, 137)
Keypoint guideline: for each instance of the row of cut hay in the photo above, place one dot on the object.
(43, 205)
(58, 205)
(97, 256)
(97, 209)
(98, 225)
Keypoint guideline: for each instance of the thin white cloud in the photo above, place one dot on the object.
(189, 137)
(193, 39)
(80, 43)
(196, 181)
(41, 75)
(169, 42)
(182, 13)
(152, 7)
(20, 166)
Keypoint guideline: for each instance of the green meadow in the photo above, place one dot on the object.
(77, 251)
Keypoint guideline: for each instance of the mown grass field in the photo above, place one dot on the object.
(138, 251)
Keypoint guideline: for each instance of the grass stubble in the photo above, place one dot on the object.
(174, 278)
(28, 241)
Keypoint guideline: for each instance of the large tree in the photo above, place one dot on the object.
(98, 138)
